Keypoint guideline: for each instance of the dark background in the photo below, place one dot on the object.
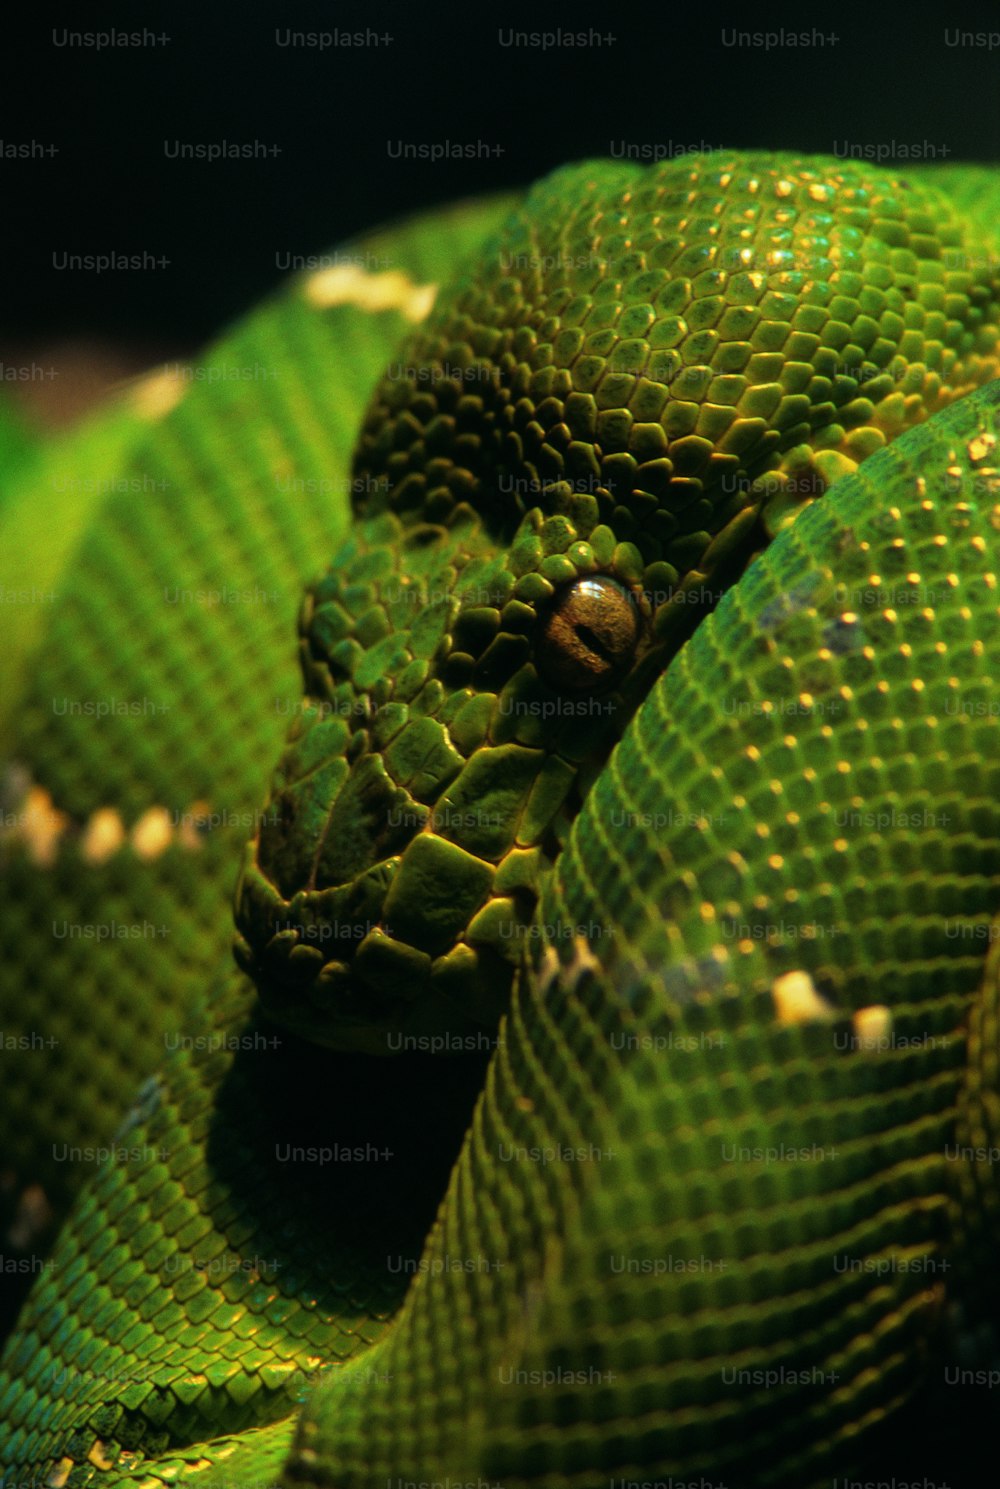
(666, 79)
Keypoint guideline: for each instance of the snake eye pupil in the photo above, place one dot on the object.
(588, 636)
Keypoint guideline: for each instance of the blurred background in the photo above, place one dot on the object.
(91, 133)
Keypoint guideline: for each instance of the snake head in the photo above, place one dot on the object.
(459, 694)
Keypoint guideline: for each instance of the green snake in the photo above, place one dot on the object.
(641, 796)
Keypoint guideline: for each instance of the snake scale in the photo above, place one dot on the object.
(640, 796)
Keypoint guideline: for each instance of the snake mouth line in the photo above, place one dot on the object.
(362, 965)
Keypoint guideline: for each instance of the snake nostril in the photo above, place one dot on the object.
(324, 831)
(371, 820)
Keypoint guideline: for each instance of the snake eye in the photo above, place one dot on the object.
(589, 636)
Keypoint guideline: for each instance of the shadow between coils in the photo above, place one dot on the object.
(337, 1162)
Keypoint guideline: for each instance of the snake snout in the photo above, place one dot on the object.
(349, 905)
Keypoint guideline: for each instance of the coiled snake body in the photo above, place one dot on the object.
(699, 890)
